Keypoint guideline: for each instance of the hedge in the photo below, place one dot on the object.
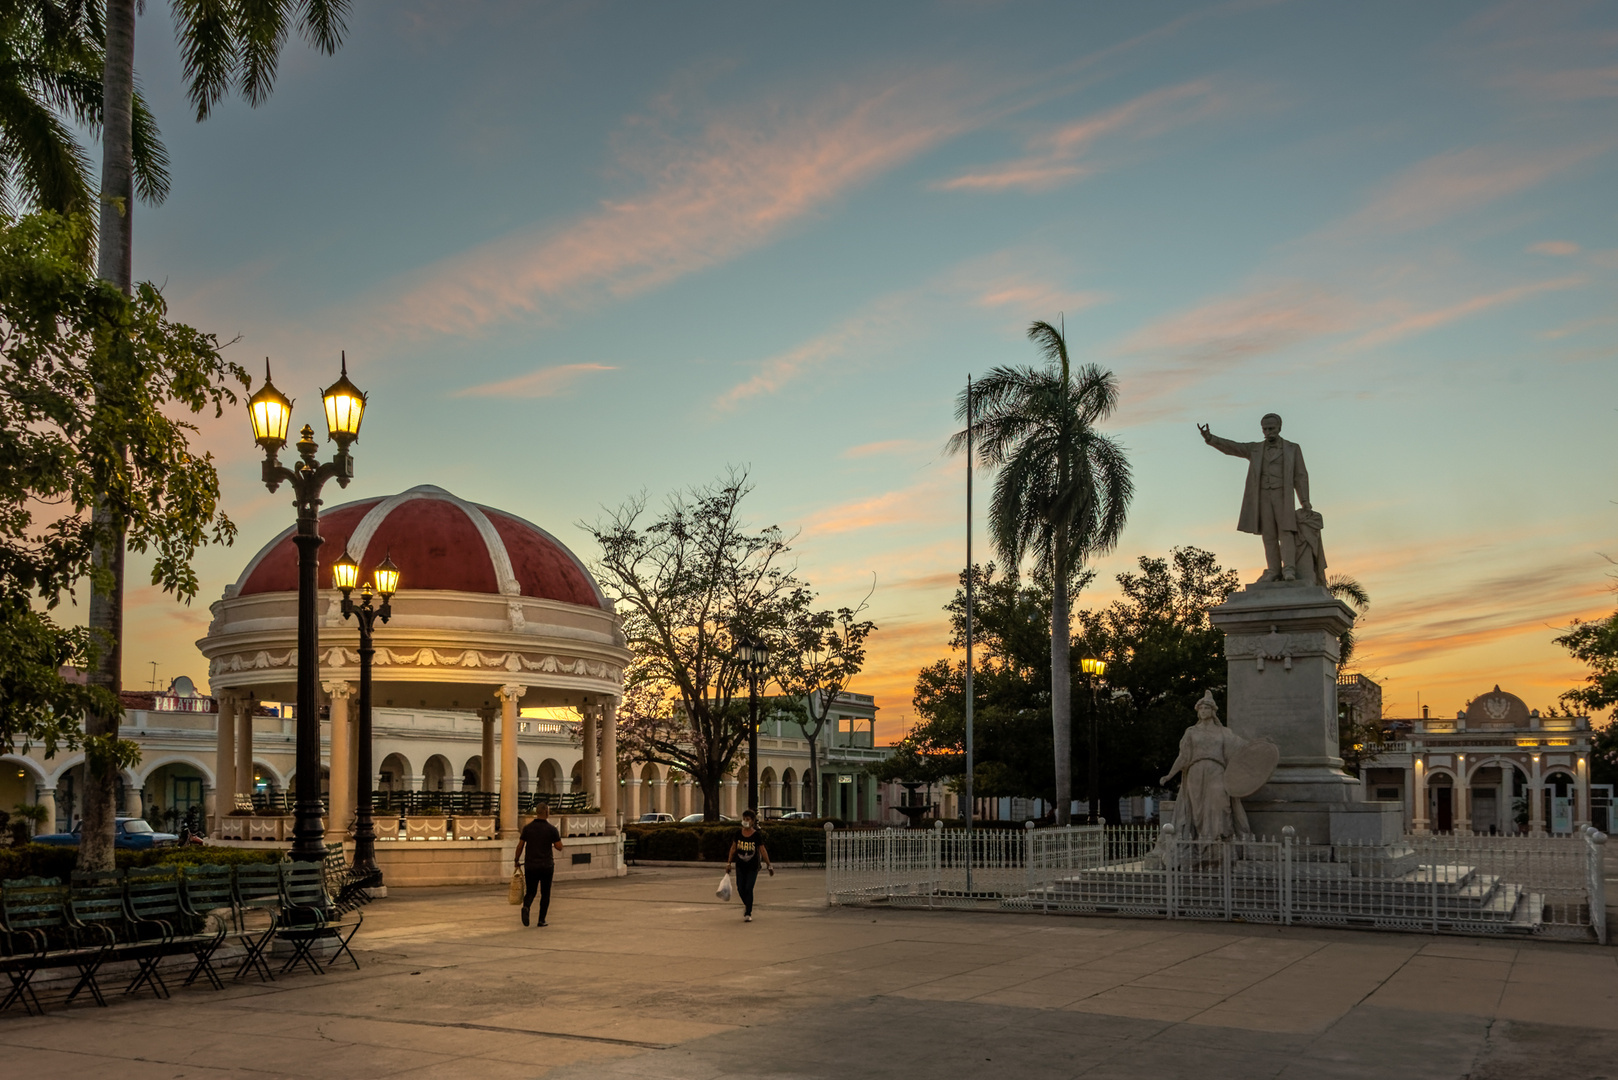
(48, 860)
(711, 842)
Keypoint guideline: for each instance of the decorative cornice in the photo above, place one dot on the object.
(338, 658)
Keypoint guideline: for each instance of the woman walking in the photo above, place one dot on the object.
(747, 851)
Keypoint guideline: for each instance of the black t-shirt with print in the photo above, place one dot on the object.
(538, 836)
(747, 846)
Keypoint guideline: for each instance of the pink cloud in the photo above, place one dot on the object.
(546, 382)
(1554, 247)
(747, 176)
(1247, 325)
(883, 448)
(1430, 320)
(1050, 159)
(1455, 183)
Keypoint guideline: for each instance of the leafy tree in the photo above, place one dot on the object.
(1595, 644)
(687, 583)
(51, 64)
(226, 45)
(88, 379)
(821, 654)
(1061, 495)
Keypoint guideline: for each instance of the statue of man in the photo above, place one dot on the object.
(1274, 472)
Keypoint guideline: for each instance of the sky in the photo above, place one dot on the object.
(580, 251)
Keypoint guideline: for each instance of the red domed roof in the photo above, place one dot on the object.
(438, 542)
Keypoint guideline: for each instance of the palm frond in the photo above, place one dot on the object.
(1349, 590)
(209, 50)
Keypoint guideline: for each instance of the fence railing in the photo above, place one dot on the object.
(1549, 886)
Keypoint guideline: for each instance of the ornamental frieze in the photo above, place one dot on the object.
(339, 657)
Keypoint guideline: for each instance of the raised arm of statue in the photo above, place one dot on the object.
(1183, 761)
(1225, 446)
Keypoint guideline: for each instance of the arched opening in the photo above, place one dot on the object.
(172, 796)
(652, 801)
(576, 781)
(394, 775)
(436, 773)
(1441, 802)
(472, 774)
(549, 772)
(789, 790)
(766, 788)
(522, 775)
(21, 783)
(1560, 795)
(806, 792)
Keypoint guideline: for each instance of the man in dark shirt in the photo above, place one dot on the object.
(539, 838)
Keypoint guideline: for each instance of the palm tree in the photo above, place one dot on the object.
(226, 45)
(1062, 493)
(1351, 592)
(50, 72)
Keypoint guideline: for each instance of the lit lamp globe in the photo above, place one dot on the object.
(387, 577)
(345, 408)
(345, 572)
(271, 413)
(1093, 665)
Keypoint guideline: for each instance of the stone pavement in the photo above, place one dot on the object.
(650, 976)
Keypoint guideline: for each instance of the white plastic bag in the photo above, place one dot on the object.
(723, 892)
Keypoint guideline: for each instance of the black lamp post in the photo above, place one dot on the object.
(345, 573)
(1095, 668)
(755, 658)
(271, 412)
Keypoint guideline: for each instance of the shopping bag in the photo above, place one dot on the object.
(723, 892)
(518, 887)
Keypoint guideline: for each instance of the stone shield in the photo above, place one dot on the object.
(1248, 768)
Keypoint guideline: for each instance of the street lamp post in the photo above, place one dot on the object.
(1095, 668)
(271, 412)
(345, 573)
(755, 658)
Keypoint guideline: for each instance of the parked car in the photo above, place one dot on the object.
(692, 819)
(132, 834)
(655, 819)
(797, 815)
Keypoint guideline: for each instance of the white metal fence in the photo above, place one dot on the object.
(1548, 886)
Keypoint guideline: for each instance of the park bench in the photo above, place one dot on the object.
(307, 917)
(257, 899)
(346, 886)
(208, 893)
(39, 933)
(157, 913)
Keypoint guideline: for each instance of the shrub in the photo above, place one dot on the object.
(672, 844)
(47, 860)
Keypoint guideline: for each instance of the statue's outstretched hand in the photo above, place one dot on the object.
(1207, 436)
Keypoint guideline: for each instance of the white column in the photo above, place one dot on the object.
(587, 733)
(632, 798)
(509, 696)
(134, 805)
(338, 807)
(1581, 796)
(660, 795)
(47, 799)
(1461, 800)
(727, 801)
(1418, 795)
(246, 703)
(489, 770)
(1536, 801)
(609, 764)
(225, 759)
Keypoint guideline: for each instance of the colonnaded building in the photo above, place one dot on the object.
(502, 657)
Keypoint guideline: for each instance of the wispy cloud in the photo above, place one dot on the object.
(1236, 327)
(1446, 185)
(884, 448)
(746, 175)
(546, 382)
(919, 503)
(1051, 158)
(1554, 247)
(1424, 321)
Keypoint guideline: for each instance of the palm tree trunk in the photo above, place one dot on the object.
(115, 251)
(1061, 683)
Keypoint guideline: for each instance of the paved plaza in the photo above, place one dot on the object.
(650, 976)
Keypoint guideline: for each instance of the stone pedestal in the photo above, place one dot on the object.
(1281, 650)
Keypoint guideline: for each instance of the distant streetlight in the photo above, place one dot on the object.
(345, 574)
(1096, 668)
(271, 414)
(754, 655)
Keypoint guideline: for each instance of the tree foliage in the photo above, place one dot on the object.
(64, 336)
(1594, 644)
(821, 654)
(688, 583)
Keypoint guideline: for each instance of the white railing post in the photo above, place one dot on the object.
(1288, 833)
(1170, 857)
(1028, 856)
(828, 828)
(1595, 876)
(937, 846)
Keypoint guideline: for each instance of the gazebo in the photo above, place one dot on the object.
(494, 615)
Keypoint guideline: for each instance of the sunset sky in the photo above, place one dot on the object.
(576, 251)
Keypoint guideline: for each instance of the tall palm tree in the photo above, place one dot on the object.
(50, 72)
(1061, 495)
(226, 45)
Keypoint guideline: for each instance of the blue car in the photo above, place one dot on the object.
(133, 834)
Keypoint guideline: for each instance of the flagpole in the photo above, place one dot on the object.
(970, 422)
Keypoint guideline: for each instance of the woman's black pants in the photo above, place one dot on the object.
(746, 877)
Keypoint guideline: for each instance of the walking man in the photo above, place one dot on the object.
(540, 839)
(1275, 471)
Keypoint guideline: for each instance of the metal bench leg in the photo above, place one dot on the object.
(303, 946)
(87, 979)
(342, 944)
(254, 960)
(146, 972)
(204, 966)
(23, 992)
